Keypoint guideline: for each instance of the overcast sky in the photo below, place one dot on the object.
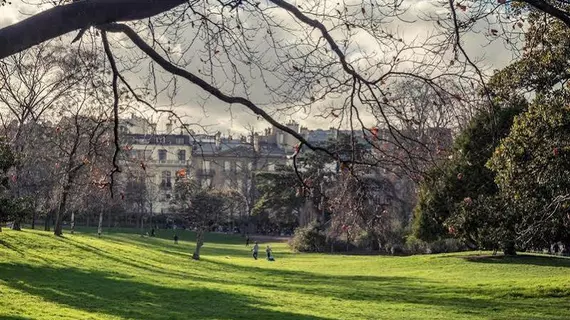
(193, 103)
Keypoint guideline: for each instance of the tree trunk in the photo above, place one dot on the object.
(34, 220)
(100, 226)
(141, 222)
(72, 223)
(58, 229)
(199, 243)
(16, 225)
(565, 251)
(46, 222)
(509, 248)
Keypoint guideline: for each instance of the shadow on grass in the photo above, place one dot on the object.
(124, 259)
(409, 290)
(119, 295)
(9, 246)
(522, 259)
(107, 293)
(167, 234)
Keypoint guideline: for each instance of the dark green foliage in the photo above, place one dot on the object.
(544, 63)
(279, 202)
(532, 168)
(449, 188)
(11, 208)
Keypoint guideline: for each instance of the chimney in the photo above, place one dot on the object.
(169, 127)
(256, 142)
(218, 139)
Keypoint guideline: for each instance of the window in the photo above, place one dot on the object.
(162, 155)
(140, 154)
(271, 167)
(228, 184)
(142, 141)
(227, 165)
(239, 165)
(179, 140)
(181, 155)
(166, 179)
(206, 165)
(239, 184)
(250, 166)
(148, 154)
(206, 183)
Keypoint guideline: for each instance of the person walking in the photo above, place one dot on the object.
(255, 250)
(247, 240)
(175, 239)
(269, 254)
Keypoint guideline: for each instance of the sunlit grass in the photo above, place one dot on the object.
(125, 276)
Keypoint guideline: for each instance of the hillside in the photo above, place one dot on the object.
(125, 276)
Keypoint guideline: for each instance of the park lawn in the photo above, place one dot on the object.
(124, 276)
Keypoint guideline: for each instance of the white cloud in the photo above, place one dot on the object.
(195, 104)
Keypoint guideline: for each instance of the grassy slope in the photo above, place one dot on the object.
(125, 276)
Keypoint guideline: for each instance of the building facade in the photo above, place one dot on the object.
(229, 163)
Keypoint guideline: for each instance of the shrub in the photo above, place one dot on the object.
(309, 239)
(446, 246)
(416, 246)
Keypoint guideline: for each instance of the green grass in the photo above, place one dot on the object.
(125, 276)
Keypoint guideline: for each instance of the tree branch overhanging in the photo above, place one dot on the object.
(76, 15)
(168, 66)
(109, 54)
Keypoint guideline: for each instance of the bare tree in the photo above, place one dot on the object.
(336, 61)
(297, 71)
(82, 139)
(202, 208)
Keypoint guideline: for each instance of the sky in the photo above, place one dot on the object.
(195, 106)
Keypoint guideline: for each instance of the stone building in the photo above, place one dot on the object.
(153, 159)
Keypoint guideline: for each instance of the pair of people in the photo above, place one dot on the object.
(268, 250)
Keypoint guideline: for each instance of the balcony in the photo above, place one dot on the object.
(183, 162)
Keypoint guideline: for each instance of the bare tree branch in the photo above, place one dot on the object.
(115, 108)
(168, 66)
